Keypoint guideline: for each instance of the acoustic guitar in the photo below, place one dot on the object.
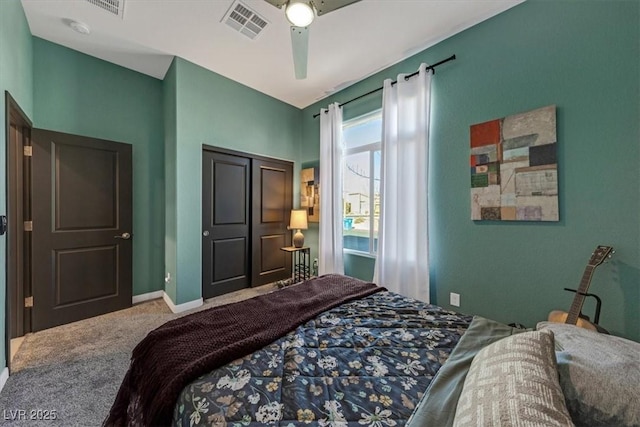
(574, 316)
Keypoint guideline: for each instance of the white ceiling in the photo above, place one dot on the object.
(345, 45)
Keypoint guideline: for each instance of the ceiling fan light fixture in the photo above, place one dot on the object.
(299, 13)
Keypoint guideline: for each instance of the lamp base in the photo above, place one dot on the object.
(298, 239)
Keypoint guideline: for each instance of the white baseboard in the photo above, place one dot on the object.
(4, 376)
(181, 307)
(162, 294)
(147, 297)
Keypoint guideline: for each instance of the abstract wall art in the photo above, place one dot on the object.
(310, 193)
(514, 170)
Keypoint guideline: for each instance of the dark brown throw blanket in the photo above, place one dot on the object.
(178, 352)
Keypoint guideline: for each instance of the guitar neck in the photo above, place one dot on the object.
(578, 301)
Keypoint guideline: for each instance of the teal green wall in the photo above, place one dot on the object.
(214, 110)
(583, 57)
(79, 94)
(359, 266)
(170, 149)
(16, 67)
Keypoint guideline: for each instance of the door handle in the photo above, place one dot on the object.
(123, 236)
(205, 233)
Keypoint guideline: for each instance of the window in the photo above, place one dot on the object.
(361, 185)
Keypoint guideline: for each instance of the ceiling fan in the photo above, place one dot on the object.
(300, 13)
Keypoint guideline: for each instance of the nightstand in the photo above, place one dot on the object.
(301, 262)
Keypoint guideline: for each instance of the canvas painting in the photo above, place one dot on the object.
(309, 193)
(514, 170)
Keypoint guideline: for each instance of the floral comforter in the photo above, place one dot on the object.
(366, 362)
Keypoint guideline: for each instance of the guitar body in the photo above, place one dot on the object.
(559, 316)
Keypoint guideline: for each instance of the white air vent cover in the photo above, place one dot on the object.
(112, 6)
(242, 19)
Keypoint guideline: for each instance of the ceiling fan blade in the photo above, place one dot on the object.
(326, 6)
(321, 6)
(277, 3)
(300, 47)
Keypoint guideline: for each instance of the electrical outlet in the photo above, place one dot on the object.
(167, 278)
(454, 299)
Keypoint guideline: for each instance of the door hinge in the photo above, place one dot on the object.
(28, 302)
(28, 151)
(28, 226)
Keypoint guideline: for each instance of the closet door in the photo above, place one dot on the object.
(225, 223)
(272, 199)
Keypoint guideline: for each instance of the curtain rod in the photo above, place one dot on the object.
(431, 67)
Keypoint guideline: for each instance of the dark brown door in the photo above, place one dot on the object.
(18, 210)
(82, 227)
(272, 192)
(225, 223)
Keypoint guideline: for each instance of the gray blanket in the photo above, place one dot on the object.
(438, 405)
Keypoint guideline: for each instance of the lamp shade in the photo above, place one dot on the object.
(298, 219)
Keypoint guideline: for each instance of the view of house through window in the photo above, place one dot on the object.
(361, 185)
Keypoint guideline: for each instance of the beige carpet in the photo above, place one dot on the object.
(101, 334)
(76, 369)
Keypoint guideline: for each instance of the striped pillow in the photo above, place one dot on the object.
(514, 382)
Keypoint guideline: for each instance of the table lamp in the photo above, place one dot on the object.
(298, 222)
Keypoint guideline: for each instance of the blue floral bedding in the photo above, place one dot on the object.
(366, 362)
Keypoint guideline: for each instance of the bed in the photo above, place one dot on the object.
(356, 354)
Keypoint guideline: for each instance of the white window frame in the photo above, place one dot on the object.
(371, 149)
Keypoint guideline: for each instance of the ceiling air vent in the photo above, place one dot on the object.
(242, 19)
(112, 6)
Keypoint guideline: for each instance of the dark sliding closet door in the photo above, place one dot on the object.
(226, 219)
(246, 203)
(272, 188)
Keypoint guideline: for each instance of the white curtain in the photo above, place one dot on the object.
(330, 258)
(402, 263)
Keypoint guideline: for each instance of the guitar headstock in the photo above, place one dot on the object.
(600, 255)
